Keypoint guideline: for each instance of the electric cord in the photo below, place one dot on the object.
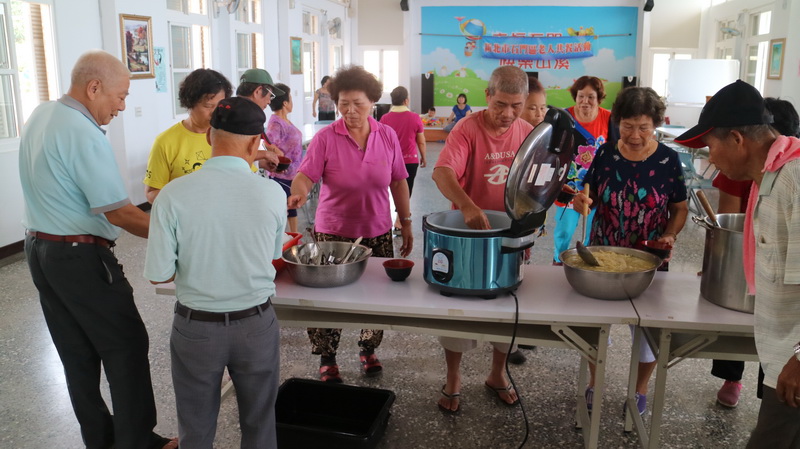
(508, 372)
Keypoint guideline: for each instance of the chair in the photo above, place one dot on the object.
(694, 180)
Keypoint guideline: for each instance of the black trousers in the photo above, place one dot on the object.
(727, 369)
(412, 173)
(326, 115)
(89, 309)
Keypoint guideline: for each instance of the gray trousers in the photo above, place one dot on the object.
(778, 424)
(200, 352)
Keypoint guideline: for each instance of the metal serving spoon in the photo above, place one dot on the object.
(583, 251)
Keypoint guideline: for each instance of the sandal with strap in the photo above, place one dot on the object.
(498, 391)
(330, 373)
(450, 397)
(370, 364)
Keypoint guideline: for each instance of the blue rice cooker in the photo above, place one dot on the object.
(476, 262)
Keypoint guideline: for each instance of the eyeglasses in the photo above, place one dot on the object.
(269, 91)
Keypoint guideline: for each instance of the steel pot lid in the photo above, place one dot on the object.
(540, 167)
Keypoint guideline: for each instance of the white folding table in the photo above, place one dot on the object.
(678, 324)
(551, 314)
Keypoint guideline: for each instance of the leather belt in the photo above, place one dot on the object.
(201, 315)
(85, 238)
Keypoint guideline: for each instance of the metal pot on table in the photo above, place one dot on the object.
(723, 281)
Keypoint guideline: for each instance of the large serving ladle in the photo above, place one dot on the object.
(583, 251)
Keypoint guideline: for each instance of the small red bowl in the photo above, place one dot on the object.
(566, 194)
(283, 163)
(398, 269)
(660, 249)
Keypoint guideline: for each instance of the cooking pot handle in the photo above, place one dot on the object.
(510, 245)
(702, 222)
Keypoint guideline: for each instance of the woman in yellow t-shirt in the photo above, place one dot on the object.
(183, 147)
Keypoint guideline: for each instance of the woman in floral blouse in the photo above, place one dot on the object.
(638, 192)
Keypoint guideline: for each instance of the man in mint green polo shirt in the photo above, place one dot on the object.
(75, 205)
(215, 233)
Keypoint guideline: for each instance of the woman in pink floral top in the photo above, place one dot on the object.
(283, 134)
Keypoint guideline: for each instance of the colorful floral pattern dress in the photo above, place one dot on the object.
(633, 197)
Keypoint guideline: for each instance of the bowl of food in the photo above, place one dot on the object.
(624, 273)
(283, 163)
(323, 264)
(398, 269)
(660, 249)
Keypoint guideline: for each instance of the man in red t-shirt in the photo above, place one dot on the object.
(471, 172)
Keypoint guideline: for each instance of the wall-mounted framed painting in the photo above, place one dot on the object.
(297, 55)
(775, 68)
(137, 45)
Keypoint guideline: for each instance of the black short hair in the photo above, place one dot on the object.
(277, 103)
(324, 80)
(355, 78)
(635, 101)
(462, 95)
(202, 84)
(399, 95)
(784, 116)
(432, 108)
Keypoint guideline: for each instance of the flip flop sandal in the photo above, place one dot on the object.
(498, 391)
(450, 397)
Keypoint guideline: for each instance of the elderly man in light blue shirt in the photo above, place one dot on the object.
(75, 205)
(215, 233)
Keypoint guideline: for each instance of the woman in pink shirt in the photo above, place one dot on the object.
(410, 133)
(358, 159)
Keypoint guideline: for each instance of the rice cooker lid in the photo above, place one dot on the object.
(540, 168)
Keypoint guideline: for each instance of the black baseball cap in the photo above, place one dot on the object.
(238, 115)
(737, 104)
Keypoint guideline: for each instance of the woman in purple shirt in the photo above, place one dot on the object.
(283, 134)
(359, 161)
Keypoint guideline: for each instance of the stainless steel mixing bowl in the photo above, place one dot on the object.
(611, 286)
(332, 275)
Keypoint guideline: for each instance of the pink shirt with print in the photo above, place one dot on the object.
(354, 197)
(480, 161)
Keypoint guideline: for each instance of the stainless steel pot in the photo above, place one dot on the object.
(334, 275)
(723, 280)
(607, 285)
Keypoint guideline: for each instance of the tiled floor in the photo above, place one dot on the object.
(35, 411)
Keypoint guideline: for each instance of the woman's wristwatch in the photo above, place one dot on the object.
(797, 351)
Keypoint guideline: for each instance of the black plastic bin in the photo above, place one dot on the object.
(311, 413)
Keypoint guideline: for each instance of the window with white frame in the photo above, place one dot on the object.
(249, 11)
(27, 62)
(249, 40)
(757, 49)
(385, 65)
(187, 6)
(249, 52)
(190, 50)
(312, 41)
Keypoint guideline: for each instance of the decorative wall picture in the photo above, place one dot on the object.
(297, 55)
(137, 45)
(775, 69)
